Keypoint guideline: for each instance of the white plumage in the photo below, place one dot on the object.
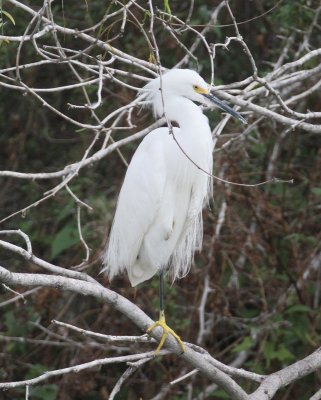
(158, 221)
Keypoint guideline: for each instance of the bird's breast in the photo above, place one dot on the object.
(189, 153)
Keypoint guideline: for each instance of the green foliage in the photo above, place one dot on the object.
(41, 391)
(15, 321)
(17, 325)
(64, 239)
(45, 392)
(273, 351)
(293, 13)
(36, 370)
(316, 191)
(7, 15)
(13, 325)
(67, 236)
(246, 344)
(167, 8)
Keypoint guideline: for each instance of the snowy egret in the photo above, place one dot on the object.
(158, 220)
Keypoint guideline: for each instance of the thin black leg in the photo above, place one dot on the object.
(161, 292)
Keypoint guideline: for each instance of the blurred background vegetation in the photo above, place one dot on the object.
(261, 304)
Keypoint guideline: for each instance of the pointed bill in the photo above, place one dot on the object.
(223, 106)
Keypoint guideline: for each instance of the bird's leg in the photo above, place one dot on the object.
(162, 321)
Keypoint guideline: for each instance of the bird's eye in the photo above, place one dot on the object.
(200, 90)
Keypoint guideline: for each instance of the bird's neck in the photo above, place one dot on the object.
(187, 114)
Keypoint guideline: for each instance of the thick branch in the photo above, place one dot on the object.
(286, 376)
(137, 316)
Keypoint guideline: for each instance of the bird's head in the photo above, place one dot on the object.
(182, 83)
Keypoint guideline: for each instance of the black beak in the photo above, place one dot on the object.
(223, 106)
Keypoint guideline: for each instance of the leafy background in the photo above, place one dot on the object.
(259, 305)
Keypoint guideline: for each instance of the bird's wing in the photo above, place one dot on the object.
(138, 203)
(191, 236)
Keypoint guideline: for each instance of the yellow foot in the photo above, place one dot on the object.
(166, 330)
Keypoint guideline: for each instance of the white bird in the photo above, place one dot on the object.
(158, 222)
